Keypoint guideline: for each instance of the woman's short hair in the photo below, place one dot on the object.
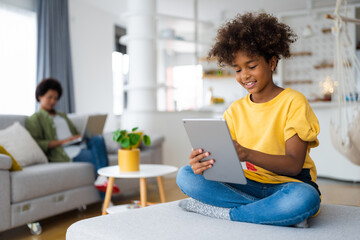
(45, 85)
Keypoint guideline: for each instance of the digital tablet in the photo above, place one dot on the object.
(212, 135)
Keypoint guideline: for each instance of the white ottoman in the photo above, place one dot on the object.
(168, 221)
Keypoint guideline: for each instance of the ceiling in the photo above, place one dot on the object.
(216, 10)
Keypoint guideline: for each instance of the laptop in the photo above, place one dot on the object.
(94, 126)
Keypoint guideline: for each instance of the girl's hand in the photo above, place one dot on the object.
(241, 151)
(195, 158)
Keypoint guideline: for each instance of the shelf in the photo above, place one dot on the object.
(298, 82)
(324, 65)
(326, 30)
(323, 104)
(205, 59)
(296, 54)
(188, 29)
(182, 24)
(219, 76)
(184, 35)
(182, 46)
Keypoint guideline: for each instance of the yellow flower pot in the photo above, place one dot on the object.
(129, 160)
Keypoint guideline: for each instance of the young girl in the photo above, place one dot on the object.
(272, 128)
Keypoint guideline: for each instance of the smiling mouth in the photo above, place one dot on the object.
(249, 84)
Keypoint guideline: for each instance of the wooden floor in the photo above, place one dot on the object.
(54, 228)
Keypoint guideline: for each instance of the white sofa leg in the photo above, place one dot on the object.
(35, 228)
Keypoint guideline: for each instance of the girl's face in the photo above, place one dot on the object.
(49, 100)
(255, 75)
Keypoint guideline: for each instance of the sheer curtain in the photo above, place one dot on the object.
(53, 52)
(17, 60)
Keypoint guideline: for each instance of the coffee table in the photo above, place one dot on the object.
(146, 171)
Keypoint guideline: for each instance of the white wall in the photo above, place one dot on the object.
(92, 43)
(25, 4)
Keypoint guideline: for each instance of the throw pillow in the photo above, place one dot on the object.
(15, 166)
(20, 144)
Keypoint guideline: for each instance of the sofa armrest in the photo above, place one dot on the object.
(156, 141)
(5, 162)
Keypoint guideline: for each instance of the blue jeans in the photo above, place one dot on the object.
(274, 204)
(95, 153)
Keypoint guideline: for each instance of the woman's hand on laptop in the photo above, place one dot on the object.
(57, 143)
(195, 158)
(72, 138)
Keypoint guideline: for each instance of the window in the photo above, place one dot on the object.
(120, 69)
(17, 60)
(184, 89)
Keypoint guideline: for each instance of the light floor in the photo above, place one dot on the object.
(54, 228)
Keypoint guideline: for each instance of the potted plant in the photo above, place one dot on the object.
(129, 154)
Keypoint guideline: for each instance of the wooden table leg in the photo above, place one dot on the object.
(161, 188)
(143, 193)
(107, 199)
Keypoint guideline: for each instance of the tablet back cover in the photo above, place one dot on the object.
(212, 135)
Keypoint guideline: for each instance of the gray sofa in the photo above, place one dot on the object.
(168, 221)
(44, 190)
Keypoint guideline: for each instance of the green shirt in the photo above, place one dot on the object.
(42, 128)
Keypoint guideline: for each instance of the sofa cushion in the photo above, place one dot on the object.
(44, 179)
(8, 120)
(20, 144)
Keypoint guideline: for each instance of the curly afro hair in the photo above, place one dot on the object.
(47, 84)
(257, 34)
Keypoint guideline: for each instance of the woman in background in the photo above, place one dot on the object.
(52, 130)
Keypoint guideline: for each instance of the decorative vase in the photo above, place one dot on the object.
(129, 160)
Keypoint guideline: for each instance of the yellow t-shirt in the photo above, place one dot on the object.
(265, 127)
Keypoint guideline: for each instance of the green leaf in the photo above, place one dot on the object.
(125, 143)
(147, 140)
(134, 129)
(116, 136)
(123, 132)
(134, 138)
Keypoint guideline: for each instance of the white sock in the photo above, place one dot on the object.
(100, 180)
(303, 224)
(193, 205)
(196, 206)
